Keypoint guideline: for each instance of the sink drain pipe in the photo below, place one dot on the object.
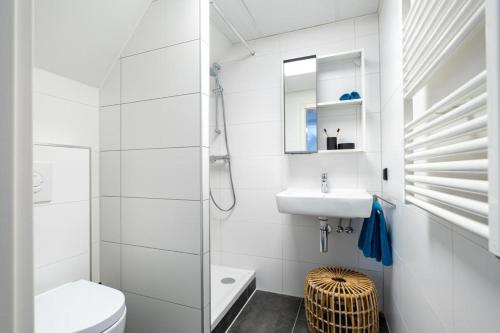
(324, 230)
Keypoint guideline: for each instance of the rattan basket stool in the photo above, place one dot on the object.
(340, 300)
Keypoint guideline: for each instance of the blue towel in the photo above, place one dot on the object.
(374, 240)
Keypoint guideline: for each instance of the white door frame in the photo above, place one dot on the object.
(16, 203)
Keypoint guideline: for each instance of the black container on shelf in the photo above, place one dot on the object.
(331, 143)
(347, 145)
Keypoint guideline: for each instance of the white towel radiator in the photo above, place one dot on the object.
(452, 147)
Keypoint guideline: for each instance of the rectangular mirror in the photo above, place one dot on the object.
(301, 119)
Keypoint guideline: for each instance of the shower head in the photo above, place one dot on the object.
(214, 69)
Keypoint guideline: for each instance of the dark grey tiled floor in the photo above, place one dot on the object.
(268, 312)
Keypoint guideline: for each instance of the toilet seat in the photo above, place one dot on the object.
(81, 306)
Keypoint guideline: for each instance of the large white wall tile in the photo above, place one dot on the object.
(176, 275)
(372, 93)
(255, 139)
(428, 256)
(166, 22)
(366, 25)
(146, 314)
(110, 173)
(257, 239)
(418, 315)
(258, 72)
(61, 231)
(476, 293)
(165, 72)
(372, 140)
(110, 219)
(370, 45)
(294, 276)
(263, 105)
(55, 275)
(369, 263)
(378, 281)
(110, 262)
(164, 224)
(302, 244)
(370, 172)
(162, 123)
(162, 173)
(262, 172)
(268, 271)
(109, 128)
(305, 171)
(254, 205)
(61, 121)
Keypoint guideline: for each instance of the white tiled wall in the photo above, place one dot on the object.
(154, 171)
(282, 248)
(443, 278)
(66, 112)
(61, 225)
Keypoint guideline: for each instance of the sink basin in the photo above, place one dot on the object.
(348, 203)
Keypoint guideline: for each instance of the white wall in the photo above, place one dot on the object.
(282, 248)
(65, 112)
(62, 224)
(154, 171)
(443, 278)
(219, 43)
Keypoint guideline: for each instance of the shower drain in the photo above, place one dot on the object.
(228, 280)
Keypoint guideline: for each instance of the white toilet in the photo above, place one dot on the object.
(81, 306)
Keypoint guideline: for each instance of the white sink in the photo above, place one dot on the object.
(347, 203)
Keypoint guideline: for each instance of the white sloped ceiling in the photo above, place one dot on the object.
(80, 39)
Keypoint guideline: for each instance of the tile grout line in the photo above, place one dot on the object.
(297, 316)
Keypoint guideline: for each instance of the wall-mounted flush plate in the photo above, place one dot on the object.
(42, 182)
(385, 175)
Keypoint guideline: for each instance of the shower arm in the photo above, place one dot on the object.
(221, 14)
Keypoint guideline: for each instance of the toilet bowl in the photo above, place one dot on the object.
(81, 306)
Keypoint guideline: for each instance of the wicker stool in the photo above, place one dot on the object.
(340, 300)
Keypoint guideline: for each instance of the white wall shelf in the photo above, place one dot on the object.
(337, 74)
(339, 104)
(341, 151)
(356, 55)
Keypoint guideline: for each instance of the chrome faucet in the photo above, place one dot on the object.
(324, 183)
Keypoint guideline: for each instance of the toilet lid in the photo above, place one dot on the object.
(81, 306)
